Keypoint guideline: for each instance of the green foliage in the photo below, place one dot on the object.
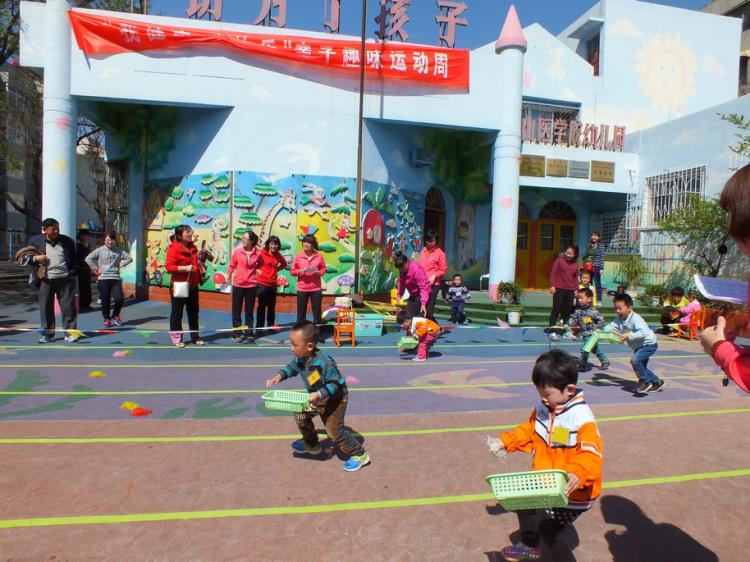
(631, 269)
(743, 123)
(699, 228)
(462, 164)
(509, 292)
(651, 291)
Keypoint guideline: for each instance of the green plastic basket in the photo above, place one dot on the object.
(287, 400)
(536, 489)
(596, 337)
(408, 343)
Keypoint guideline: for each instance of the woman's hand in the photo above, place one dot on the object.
(711, 335)
(186, 268)
(552, 290)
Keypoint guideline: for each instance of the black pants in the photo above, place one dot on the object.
(414, 305)
(242, 295)
(434, 292)
(266, 314)
(316, 300)
(457, 312)
(178, 305)
(562, 305)
(110, 288)
(84, 288)
(548, 524)
(65, 290)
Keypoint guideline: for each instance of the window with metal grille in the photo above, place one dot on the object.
(522, 240)
(566, 236)
(615, 233)
(669, 191)
(546, 236)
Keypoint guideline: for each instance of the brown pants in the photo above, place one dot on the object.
(332, 413)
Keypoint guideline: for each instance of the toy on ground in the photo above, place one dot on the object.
(407, 343)
(597, 337)
(536, 489)
(287, 400)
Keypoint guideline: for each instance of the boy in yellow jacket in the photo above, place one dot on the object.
(561, 434)
(424, 329)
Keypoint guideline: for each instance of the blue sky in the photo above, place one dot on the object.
(485, 16)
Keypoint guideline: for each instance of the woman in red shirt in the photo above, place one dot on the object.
(308, 267)
(270, 263)
(563, 280)
(181, 263)
(242, 272)
(432, 259)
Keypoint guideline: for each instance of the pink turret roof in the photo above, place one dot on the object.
(512, 34)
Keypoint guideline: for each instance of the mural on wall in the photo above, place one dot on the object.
(666, 70)
(199, 201)
(327, 209)
(462, 170)
(391, 221)
(267, 205)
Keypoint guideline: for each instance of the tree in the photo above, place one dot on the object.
(743, 144)
(700, 229)
(23, 113)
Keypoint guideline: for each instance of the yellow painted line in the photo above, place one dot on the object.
(386, 433)
(332, 508)
(351, 388)
(403, 363)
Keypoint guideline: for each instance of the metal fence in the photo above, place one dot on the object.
(12, 240)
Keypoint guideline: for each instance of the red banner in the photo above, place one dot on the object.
(418, 64)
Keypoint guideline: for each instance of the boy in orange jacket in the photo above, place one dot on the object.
(424, 329)
(561, 434)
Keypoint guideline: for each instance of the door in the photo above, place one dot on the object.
(555, 230)
(522, 252)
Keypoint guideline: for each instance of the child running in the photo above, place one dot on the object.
(328, 396)
(584, 321)
(561, 434)
(635, 332)
(424, 329)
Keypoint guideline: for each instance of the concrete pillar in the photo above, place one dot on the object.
(506, 155)
(59, 123)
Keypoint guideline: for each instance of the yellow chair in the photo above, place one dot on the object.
(345, 327)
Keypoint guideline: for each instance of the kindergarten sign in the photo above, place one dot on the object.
(419, 64)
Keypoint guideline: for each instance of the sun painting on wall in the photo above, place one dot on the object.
(666, 70)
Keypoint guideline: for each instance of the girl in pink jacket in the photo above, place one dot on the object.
(309, 267)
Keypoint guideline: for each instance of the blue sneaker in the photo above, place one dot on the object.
(519, 551)
(301, 447)
(356, 462)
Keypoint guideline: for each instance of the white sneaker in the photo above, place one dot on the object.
(71, 339)
(553, 336)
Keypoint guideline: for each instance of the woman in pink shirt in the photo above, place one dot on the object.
(432, 259)
(242, 272)
(563, 281)
(309, 267)
(717, 341)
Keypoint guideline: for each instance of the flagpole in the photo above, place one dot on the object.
(362, 53)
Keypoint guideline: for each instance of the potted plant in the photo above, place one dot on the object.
(653, 295)
(509, 292)
(631, 269)
(515, 314)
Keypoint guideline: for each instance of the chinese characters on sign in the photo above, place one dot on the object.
(449, 20)
(266, 15)
(200, 8)
(391, 20)
(572, 133)
(534, 166)
(424, 65)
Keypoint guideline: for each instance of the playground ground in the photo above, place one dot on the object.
(210, 476)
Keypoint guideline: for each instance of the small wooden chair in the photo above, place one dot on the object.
(694, 326)
(345, 327)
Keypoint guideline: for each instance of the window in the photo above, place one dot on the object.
(546, 236)
(668, 191)
(522, 240)
(592, 53)
(615, 233)
(566, 236)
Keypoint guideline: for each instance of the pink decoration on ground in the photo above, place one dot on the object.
(121, 354)
(140, 412)
(352, 380)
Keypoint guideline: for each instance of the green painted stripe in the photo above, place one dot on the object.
(263, 390)
(329, 508)
(387, 433)
(408, 364)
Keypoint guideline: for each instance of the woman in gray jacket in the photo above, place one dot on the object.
(106, 262)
